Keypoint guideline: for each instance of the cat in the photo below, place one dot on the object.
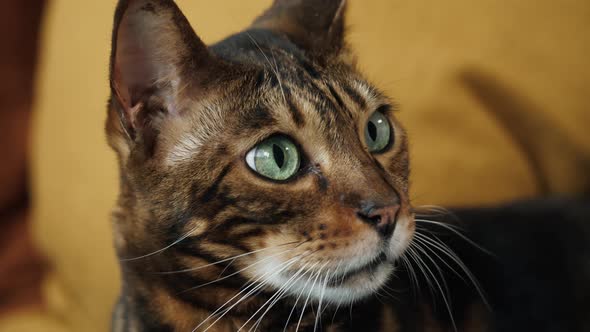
(268, 147)
(264, 184)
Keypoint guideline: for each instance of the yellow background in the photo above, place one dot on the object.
(417, 51)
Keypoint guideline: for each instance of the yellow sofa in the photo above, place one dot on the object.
(494, 95)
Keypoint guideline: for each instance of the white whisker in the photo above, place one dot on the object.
(275, 69)
(163, 249)
(275, 295)
(227, 259)
(437, 211)
(414, 256)
(438, 244)
(279, 294)
(297, 300)
(452, 229)
(237, 272)
(253, 284)
(438, 269)
(420, 238)
(412, 274)
(440, 288)
(322, 292)
(308, 296)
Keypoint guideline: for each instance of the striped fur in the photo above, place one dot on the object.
(181, 118)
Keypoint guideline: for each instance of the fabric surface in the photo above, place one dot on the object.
(20, 265)
(493, 94)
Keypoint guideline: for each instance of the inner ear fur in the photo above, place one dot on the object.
(156, 60)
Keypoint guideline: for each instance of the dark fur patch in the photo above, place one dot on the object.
(148, 7)
(336, 96)
(295, 112)
(210, 192)
(355, 96)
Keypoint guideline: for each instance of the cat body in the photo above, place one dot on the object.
(263, 180)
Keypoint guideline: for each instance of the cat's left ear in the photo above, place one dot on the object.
(317, 26)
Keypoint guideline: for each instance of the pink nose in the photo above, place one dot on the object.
(382, 218)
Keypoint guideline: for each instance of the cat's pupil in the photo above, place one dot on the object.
(279, 155)
(372, 130)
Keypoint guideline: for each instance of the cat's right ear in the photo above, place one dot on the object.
(156, 59)
(317, 26)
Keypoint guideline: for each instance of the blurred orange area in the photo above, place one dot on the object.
(494, 95)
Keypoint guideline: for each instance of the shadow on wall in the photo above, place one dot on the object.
(557, 162)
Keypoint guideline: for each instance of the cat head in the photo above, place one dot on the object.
(268, 147)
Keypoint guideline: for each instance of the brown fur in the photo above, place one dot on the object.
(181, 118)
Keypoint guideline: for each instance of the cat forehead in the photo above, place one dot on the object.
(284, 74)
(282, 91)
(325, 110)
(256, 47)
(293, 95)
(278, 57)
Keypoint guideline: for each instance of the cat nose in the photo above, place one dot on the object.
(383, 218)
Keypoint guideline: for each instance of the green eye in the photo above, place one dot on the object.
(276, 158)
(377, 132)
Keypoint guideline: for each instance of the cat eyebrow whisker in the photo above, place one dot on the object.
(274, 69)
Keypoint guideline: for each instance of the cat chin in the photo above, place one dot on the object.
(330, 290)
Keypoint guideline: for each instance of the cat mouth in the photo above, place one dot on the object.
(347, 286)
(360, 271)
